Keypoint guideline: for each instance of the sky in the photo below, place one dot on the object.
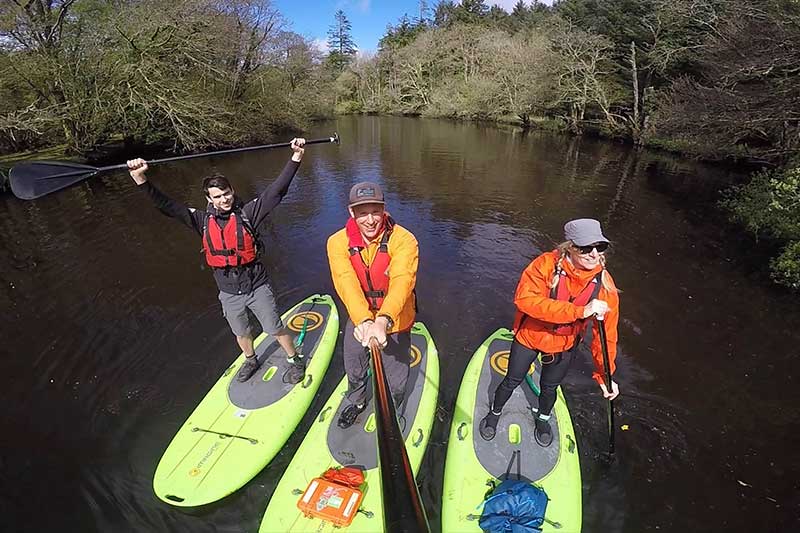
(313, 18)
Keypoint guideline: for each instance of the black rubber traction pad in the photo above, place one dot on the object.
(255, 392)
(495, 455)
(355, 446)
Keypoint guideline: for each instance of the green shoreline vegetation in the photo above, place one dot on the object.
(708, 79)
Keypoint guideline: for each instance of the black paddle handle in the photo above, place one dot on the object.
(601, 327)
(88, 172)
(402, 505)
(333, 139)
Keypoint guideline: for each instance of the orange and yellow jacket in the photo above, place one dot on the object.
(399, 304)
(537, 312)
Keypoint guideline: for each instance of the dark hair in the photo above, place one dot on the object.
(216, 180)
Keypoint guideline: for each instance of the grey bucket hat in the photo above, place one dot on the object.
(584, 231)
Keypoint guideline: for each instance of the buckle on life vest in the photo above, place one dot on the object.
(374, 294)
(334, 497)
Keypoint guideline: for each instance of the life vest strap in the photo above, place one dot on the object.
(375, 294)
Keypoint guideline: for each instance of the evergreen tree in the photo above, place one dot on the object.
(519, 11)
(423, 13)
(340, 42)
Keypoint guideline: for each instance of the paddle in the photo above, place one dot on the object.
(402, 506)
(601, 327)
(34, 179)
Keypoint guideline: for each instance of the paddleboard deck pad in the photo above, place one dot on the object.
(327, 445)
(474, 464)
(239, 427)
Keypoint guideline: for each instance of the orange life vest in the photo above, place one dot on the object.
(560, 292)
(235, 245)
(374, 279)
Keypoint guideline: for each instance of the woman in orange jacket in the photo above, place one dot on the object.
(556, 296)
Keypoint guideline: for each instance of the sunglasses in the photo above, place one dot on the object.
(599, 246)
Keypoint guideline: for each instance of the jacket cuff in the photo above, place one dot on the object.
(362, 319)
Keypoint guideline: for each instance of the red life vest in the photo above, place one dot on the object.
(235, 245)
(374, 279)
(560, 292)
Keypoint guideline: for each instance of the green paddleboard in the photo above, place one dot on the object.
(239, 427)
(472, 463)
(326, 445)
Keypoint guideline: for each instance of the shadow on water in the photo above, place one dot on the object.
(112, 334)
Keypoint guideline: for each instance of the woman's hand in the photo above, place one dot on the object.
(595, 307)
(614, 390)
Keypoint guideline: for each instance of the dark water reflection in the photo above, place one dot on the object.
(112, 333)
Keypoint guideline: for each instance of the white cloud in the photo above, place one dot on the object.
(360, 5)
(320, 45)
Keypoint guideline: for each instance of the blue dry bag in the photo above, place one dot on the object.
(514, 507)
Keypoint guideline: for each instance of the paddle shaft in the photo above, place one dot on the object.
(91, 172)
(402, 506)
(601, 327)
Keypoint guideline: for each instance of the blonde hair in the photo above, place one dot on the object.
(563, 252)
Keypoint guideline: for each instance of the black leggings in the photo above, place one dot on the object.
(519, 363)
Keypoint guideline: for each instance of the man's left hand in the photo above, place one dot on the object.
(378, 330)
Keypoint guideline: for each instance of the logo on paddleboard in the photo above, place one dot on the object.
(416, 356)
(498, 362)
(315, 320)
(197, 469)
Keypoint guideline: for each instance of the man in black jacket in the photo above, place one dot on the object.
(230, 243)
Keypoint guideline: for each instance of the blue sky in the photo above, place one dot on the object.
(312, 18)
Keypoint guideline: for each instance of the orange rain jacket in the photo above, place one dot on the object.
(541, 313)
(399, 304)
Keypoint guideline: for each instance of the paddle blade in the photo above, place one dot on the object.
(37, 178)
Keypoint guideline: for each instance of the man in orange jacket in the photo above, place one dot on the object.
(556, 296)
(374, 263)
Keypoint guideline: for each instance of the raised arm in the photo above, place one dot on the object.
(172, 208)
(260, 207)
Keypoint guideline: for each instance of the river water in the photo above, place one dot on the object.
(111, 331)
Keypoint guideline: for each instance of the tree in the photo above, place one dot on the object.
(745, 99)
(340, 42)
(400, 35)
(584, 73)
(422, 17)
(252, 27)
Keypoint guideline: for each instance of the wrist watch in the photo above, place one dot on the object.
(389, 322)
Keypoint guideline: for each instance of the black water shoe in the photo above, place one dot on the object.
(249, 368)
(296, 371)
(349, 415)
(542, 433)
(488, 425)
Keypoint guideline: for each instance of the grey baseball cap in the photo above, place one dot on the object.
(584, 231)
(365, 192)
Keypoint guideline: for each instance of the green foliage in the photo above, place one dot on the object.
(769, 206)
(786, 267)
(198, 72)
(402, 34)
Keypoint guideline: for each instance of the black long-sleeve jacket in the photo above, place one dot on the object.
(232, 280)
